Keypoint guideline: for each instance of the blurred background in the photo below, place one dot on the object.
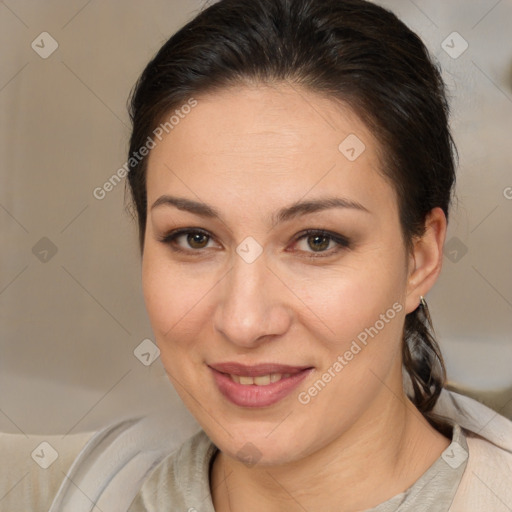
(75, 342)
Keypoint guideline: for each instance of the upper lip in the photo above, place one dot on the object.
(256, 369)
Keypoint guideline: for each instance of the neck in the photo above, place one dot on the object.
(380, 456)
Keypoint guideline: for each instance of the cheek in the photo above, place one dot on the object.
(363, 307)
(365, 322)
(346, 300)
(366, 312)
(174, 299)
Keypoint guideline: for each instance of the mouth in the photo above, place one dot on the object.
(259, 385)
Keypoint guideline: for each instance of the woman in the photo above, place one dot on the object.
(292, 169)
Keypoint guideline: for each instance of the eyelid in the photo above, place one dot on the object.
(342, 241)
(170, 237)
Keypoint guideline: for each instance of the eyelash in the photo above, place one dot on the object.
(343, 242)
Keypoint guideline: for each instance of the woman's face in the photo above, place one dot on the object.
(248, 172)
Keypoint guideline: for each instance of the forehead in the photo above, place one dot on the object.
(275, 143)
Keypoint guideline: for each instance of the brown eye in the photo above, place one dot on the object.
(318, 242)
(315, 243)
(187, 240)
(197, 240)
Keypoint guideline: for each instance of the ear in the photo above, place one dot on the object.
(426, 258)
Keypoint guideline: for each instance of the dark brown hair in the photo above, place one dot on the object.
(350, 50)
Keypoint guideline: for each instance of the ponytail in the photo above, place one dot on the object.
(423, 362)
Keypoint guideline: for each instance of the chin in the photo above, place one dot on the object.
(262, 444)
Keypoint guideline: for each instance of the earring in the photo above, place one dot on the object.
(426, 312)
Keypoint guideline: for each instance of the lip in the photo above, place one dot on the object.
(253, 395)
(257, 369)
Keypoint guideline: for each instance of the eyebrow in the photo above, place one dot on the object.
(284, 214)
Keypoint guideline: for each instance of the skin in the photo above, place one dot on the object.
(248, 152)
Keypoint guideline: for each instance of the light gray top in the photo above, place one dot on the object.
(117, 461)
(181, 480)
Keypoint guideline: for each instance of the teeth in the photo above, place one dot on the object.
(261, 380)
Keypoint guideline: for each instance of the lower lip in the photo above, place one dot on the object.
(257, 396)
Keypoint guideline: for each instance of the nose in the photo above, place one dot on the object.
(252, 307)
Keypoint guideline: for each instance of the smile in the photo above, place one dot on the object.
(262, 380)
(259, 385)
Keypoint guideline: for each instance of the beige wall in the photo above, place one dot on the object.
(69, 325)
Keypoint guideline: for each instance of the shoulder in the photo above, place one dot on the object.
(34, 467)
(487, 480)
(180, 480)
(487, 455)
(486, 483)
(477, 420)
(113, 465)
